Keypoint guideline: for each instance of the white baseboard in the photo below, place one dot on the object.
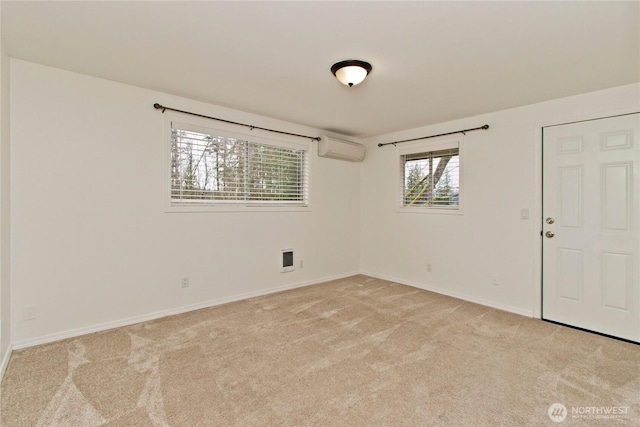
(205, 304)
(164, 313)
(464, 297)
(5, 361)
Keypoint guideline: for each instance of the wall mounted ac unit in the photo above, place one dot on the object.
(335, 148)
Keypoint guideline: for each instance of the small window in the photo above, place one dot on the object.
(214, 168)
(431, 177)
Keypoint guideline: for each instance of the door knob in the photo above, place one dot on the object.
(550, 220)
(549, 234)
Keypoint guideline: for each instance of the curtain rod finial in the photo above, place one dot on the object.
(485, 127)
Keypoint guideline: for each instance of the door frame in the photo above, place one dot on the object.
(537, 209)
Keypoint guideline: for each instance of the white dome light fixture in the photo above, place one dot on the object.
(351, 72)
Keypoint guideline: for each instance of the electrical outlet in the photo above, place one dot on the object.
(429, 268)
(184, 282)
(301, 264)
(29, 312)
(494, 279)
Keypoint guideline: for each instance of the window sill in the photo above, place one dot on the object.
(173, 208)
(431, 210)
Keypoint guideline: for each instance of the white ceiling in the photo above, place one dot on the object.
(432, 61)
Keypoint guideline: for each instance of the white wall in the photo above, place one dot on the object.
(92, 247)
(501, 176)
(5, 268)
(91, 243)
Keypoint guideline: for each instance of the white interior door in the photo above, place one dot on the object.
(590, 225)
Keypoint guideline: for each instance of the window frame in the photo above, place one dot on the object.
(422, 147)
(229, 131)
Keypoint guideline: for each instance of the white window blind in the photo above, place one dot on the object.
(209, 169)
(431, 179)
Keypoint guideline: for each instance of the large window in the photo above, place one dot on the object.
(430, 177)
(213, 168)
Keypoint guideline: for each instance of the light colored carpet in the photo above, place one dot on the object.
(351, 352)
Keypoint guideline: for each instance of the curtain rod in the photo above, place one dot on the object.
(163, 108)
(434, 136)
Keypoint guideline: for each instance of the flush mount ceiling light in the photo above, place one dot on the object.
(351, 72)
